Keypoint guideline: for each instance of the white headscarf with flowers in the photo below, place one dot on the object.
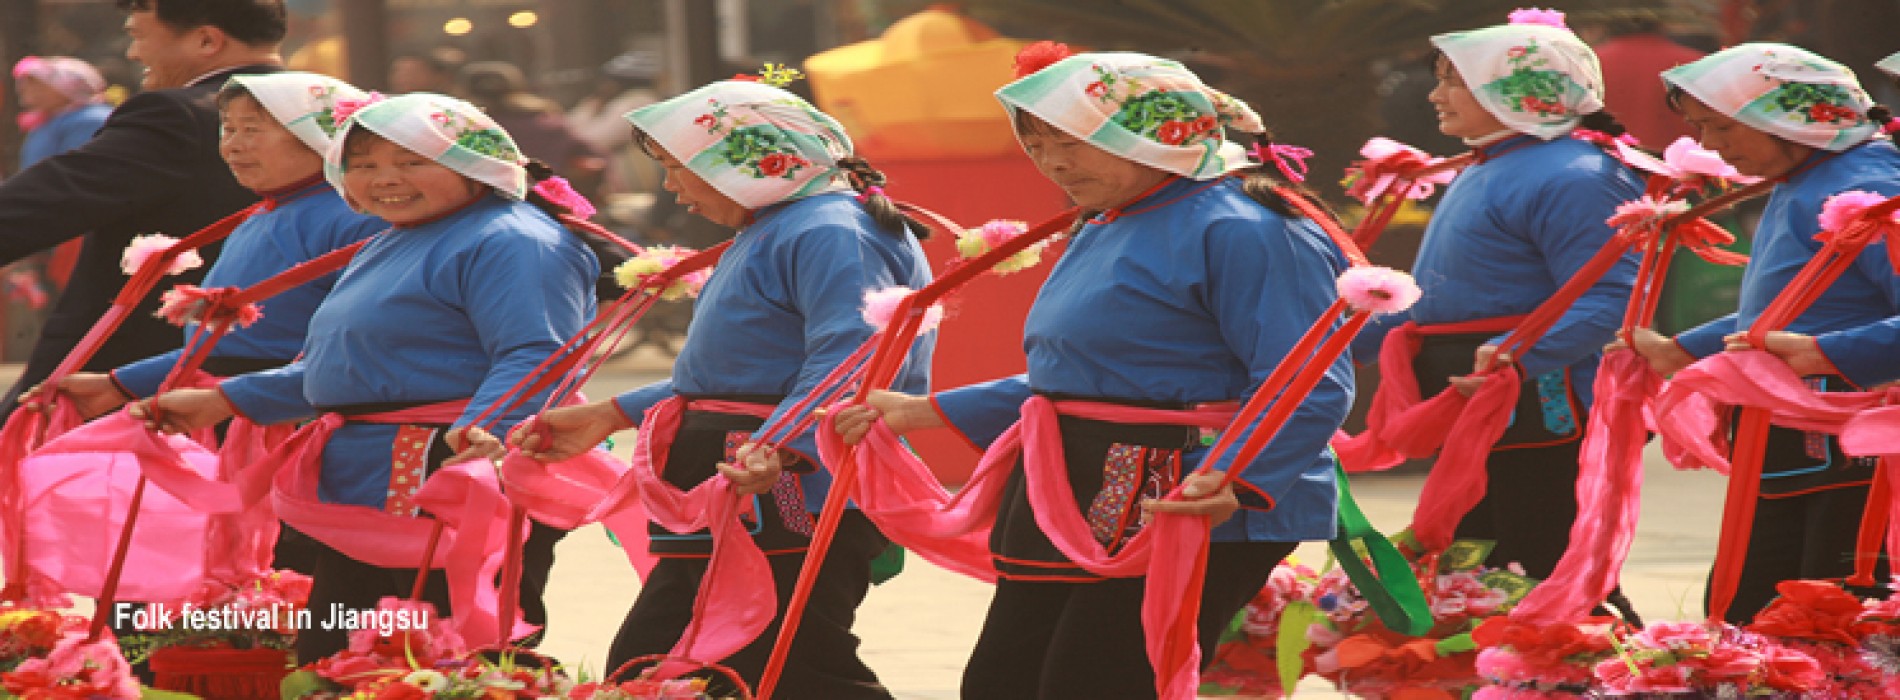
(1783, 90)
(1150, 110)
(305, 103)
(758, 144)
(1533, 74)
(446, 130)
(1890, 65)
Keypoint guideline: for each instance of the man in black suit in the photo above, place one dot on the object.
(153, 168)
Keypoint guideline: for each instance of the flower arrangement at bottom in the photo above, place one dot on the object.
(1533, 661)
(45, 654)
(262, 613)
(1247, 662)
(1362, 657)
(1705, 659)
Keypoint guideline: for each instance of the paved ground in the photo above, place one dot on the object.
(918, 628)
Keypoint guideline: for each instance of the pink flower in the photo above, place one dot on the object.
(1532, 15)
(1841, 209)
(189, 303)
(558, 191)
(880, 306)
(1686, 157)
(1644, 210)
(996, 232)
(1676, 636)
(1380, 290)
(149, 246)
(346, 108)
(95, 669)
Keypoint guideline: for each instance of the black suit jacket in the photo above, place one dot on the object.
(153, 168)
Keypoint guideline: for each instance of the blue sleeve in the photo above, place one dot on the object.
(829, 268)
(271, 396)
(1870, 354)
(981, 412)
(141, 378)
(1266, 289)
(634, 404)
(525, 297)
(1569, 227)
(1706, 339)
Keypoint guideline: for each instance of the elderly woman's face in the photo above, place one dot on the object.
(262, 154)
(1460, 114)
(1094, 178)
(1753, 152)
(694, 192)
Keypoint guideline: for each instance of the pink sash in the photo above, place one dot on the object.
(24, 432)
(1401, 424)
(899, 493)
(1609, 494)
(465, 498)
(1687, 411)
(1457, 480)
(734, 606)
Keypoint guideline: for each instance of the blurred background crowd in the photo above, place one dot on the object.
(909, 78)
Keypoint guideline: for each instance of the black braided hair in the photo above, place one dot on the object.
(863, 177)
(1262, 179)
(1602, 120)
(1879, 114)
(608, 252)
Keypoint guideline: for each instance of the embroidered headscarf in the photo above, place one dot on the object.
(1890, 65)
(1534, 74)
(1150, 110)
(1783, 90)
(444, 129)
(305, 103)
(75, 79)
(758, 144)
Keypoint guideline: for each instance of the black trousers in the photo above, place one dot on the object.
(1809, 536)
(823, 663)
(1045, 640)
(1530, 502)
(341, 581)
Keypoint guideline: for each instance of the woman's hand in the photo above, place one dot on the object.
(758, 469)
(474, 443)
(902, 413)
(1203, 493)
(184, 410)
(1662, 353)
(93, 393)
(1484, 360)
(568, 431)
(1801, 352)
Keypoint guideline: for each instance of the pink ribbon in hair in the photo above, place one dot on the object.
(557, 190)
(1281, 155)
(869, 192)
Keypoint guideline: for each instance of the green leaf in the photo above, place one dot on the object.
(1454, 644)
(300, 684)
(149, 693)
(1291, 643)
(1465, 555)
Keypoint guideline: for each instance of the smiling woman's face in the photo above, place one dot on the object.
(401, 186)
(262, 154)
(1094, 178)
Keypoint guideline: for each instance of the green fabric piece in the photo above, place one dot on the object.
(1393, 592)
(887, 565)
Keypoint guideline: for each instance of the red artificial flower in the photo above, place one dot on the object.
(1790, 670)
(1815, 610)
(1173, 133)
(778, 164)
(1040, 55)
(400, 691)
